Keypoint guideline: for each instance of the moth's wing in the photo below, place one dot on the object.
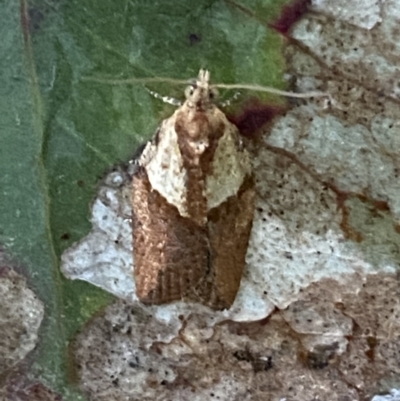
(171, 252)
(229, 227)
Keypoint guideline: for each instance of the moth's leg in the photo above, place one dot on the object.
(165, 99)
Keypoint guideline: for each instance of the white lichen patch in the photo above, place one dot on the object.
(394, 395)
(21, 314)
(104, 257)
(364, 16)
(355, 157)
(297, 237)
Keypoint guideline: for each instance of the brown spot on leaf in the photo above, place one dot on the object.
(19, 388)
(290, 15)
(36, 17)
(254, 116)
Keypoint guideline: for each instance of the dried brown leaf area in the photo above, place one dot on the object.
(330, 344)
(21, 314)
(19, 388)
(324, 249)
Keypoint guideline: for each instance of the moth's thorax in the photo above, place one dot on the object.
(197, 129)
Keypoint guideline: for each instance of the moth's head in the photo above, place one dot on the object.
(200, 94)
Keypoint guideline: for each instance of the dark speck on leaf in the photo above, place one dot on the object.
(194, 39)
(35, 19)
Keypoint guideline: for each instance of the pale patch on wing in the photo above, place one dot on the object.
(230, 166)
(164, 165)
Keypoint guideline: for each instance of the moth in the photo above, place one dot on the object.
(193, 201)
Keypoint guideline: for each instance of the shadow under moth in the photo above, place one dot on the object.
(193, 202)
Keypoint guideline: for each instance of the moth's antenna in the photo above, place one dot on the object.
(204, 76)
(165, 99)
(259, 88)
(136, 80)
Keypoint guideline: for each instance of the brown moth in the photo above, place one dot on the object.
(193, 203)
